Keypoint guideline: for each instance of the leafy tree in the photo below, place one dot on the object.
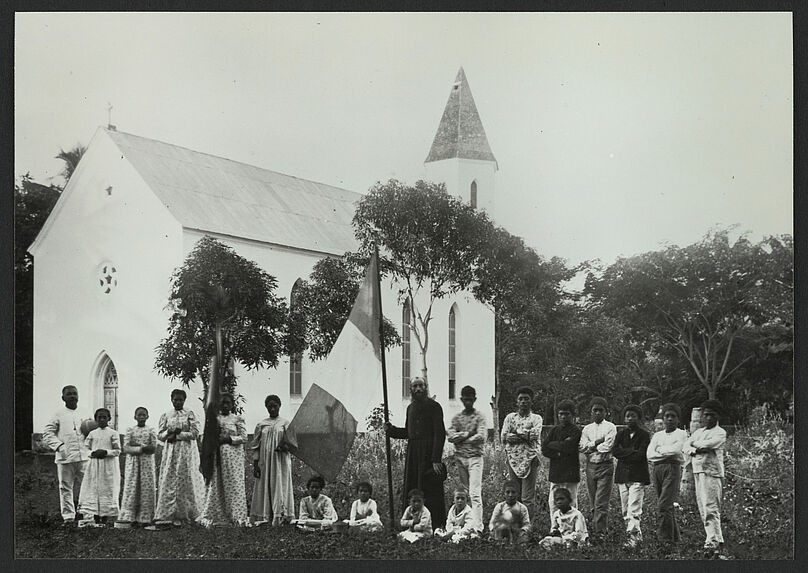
(218, 291)
(430, 243)
(323, 304)
(700, 301)
(33, 203)
(71, 159)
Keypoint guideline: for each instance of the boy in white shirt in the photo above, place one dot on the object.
(665, 453)
(597, 441)
(706, 448)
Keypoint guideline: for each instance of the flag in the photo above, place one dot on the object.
(323, 429)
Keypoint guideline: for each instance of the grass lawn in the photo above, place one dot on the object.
(757, 519)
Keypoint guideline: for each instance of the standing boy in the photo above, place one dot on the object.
(631, 475)
(467, 432)
(63, 435)
(706, 446)
(521, 432)
(665, 452)
(561, 446)
(597, 441)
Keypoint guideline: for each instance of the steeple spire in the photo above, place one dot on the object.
(460, 133)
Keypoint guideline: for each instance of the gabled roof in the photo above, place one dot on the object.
(217, 195)
(460, 133)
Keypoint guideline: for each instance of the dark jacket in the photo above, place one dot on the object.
(632, 465)
(561, 446)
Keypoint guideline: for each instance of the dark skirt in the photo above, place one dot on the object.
(418, 474)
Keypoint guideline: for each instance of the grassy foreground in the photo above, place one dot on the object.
(757, 515)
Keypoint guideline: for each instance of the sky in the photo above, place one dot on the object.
(615, 133)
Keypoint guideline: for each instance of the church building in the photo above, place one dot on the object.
(135, 208)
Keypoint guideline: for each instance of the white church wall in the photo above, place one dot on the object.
(458, 174)
(106, 214)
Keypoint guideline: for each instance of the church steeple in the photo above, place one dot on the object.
(460, 134)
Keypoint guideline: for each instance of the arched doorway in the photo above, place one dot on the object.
(106, 387)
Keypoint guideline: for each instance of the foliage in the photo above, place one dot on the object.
(33, 203)
(71, 159)
(323, 303)
(216, 286)
(700, 301)
(429, 242)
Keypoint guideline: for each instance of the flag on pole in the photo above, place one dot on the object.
(324, 427)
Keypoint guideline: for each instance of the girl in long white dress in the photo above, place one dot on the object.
(273, 498)
(181, 490)
(225, 498)
(102, 479)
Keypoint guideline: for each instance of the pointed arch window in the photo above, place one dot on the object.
(296, 358)
(452, 353)
(474, 194)
(106, 387)
(405, 349)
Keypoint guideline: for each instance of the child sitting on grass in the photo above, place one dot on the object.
(416, 521)
(510, 519)
(102, 480)
(316, 510)
(568, 526)
(461, 522)
(364, 513)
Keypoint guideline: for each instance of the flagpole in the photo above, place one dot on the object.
(384, 387)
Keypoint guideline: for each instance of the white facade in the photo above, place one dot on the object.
(88, 316)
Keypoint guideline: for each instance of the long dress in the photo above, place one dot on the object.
(426, 436)
(102, 479)
(181, 490)
(273, 497)
(225, 498)
(139, 489)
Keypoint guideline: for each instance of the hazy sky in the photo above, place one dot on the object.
(614, 133)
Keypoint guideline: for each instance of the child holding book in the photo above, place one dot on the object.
(139, 490)
(102, 480)
(416, 521)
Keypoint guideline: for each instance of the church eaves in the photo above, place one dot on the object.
(460, 133)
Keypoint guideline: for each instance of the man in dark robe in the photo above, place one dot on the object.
(426, 435)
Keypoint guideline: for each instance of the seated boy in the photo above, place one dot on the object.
(510, 519)
(316, 510)
(461, 522)
(416, 521)
(568, 526)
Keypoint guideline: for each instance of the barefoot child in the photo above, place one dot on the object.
(510, 519)
(364, 513)
(102, 481)
(461, 523)
(631, 475)
(597, 440)
(139, 490)
(706, 446)
(568, 526)
(416, 521)
(316, 509)
(665, 453)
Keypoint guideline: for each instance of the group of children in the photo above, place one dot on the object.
(183, 496)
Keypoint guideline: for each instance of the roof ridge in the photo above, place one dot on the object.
(236, 161)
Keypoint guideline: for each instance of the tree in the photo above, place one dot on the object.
(71, 159)
(217, 290)
(323, 304)
(699, 301)
(33, 203)
(429, 242)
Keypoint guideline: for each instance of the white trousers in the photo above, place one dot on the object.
(709, 492)
(68, 475)
(632, 495)
(572, 486)
(471, 477)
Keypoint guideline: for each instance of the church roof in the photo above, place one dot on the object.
(217, 195)
(460, 133)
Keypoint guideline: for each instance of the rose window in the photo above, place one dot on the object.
(107, 277)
